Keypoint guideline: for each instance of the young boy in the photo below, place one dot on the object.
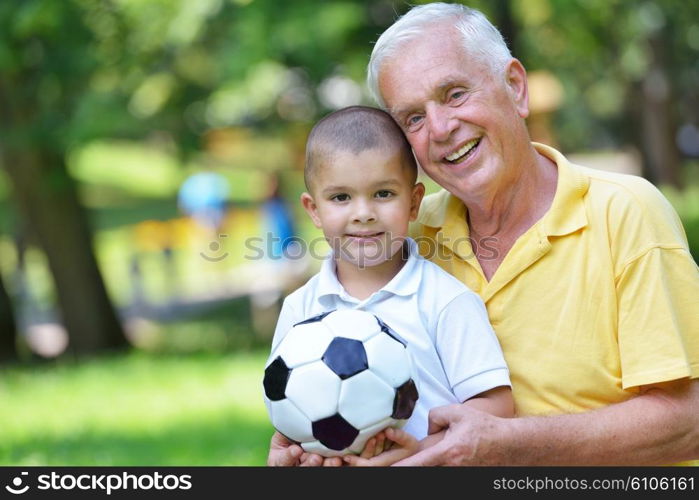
(361, 176)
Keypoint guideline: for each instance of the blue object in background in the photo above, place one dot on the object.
(278, 219)
(203, 196)
(279, 224)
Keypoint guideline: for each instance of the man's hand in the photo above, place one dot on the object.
(465, 437)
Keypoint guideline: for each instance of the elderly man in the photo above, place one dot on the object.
(586, 275)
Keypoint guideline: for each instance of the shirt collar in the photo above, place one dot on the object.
(435, 209)
(566, 214)
(405, 283)
(567, 211)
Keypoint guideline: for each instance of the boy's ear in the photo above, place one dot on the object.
(416, 199)
(309, 206)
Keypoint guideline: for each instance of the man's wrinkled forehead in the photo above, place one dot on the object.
(439, 59)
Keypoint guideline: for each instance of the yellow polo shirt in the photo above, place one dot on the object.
(598, 297)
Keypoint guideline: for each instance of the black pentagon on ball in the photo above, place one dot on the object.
(388, 331)
(334, 432)
(276, 377)
(345, 357)
(314, 319)
(404, 402)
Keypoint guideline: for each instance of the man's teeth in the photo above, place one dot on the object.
(464, 149)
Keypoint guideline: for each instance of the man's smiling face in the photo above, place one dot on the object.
(458, 116)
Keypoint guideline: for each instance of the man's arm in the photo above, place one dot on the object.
(660, 426)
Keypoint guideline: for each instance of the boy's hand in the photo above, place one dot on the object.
(375, 446)
(314, 460)
(285, 453)
(379, 453)
(282, 452)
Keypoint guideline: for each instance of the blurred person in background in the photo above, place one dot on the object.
(204, 197)
(278, 219)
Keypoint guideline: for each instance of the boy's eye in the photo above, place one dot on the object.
(384, 194)
(340, 197)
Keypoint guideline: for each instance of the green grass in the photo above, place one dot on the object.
(136, 409)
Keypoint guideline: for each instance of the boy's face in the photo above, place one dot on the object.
(363, 203)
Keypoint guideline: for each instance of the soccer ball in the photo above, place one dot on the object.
(337, 379)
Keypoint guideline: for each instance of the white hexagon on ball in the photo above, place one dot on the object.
(389, 359)
(315, 389)
(303, 345)
(289, 420)
(365, 399)
(352, 324)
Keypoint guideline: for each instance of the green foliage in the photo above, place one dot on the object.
(602, 51)
(92, 69)
(80, 70)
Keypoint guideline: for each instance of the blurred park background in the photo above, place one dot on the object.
(133, 331)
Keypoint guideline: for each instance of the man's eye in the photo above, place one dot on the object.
(413, 120)
(384, 194)
(340, 197)
(457, 95)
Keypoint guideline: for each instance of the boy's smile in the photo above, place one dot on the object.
(363, 203)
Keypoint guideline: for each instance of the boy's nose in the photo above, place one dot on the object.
(365, 218)
(364, 214)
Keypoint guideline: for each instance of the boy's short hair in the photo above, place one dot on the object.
(355, 129)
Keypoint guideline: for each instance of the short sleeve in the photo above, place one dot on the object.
(468, 348)
(658, 301)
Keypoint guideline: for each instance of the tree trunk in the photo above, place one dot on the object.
(507, 25)
(47, 199)
(658, 126)
(8, 328)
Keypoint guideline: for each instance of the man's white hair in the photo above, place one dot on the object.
(481, 39)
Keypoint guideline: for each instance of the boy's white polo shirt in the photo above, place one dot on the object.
(445, 324)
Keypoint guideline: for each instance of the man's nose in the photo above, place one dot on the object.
(364, 212)
(440, 123)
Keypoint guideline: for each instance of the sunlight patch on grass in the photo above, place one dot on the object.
(136, 410)
(133, 167)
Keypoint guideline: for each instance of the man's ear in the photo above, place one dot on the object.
(416, 199)
(309, 206)
(516, 83)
